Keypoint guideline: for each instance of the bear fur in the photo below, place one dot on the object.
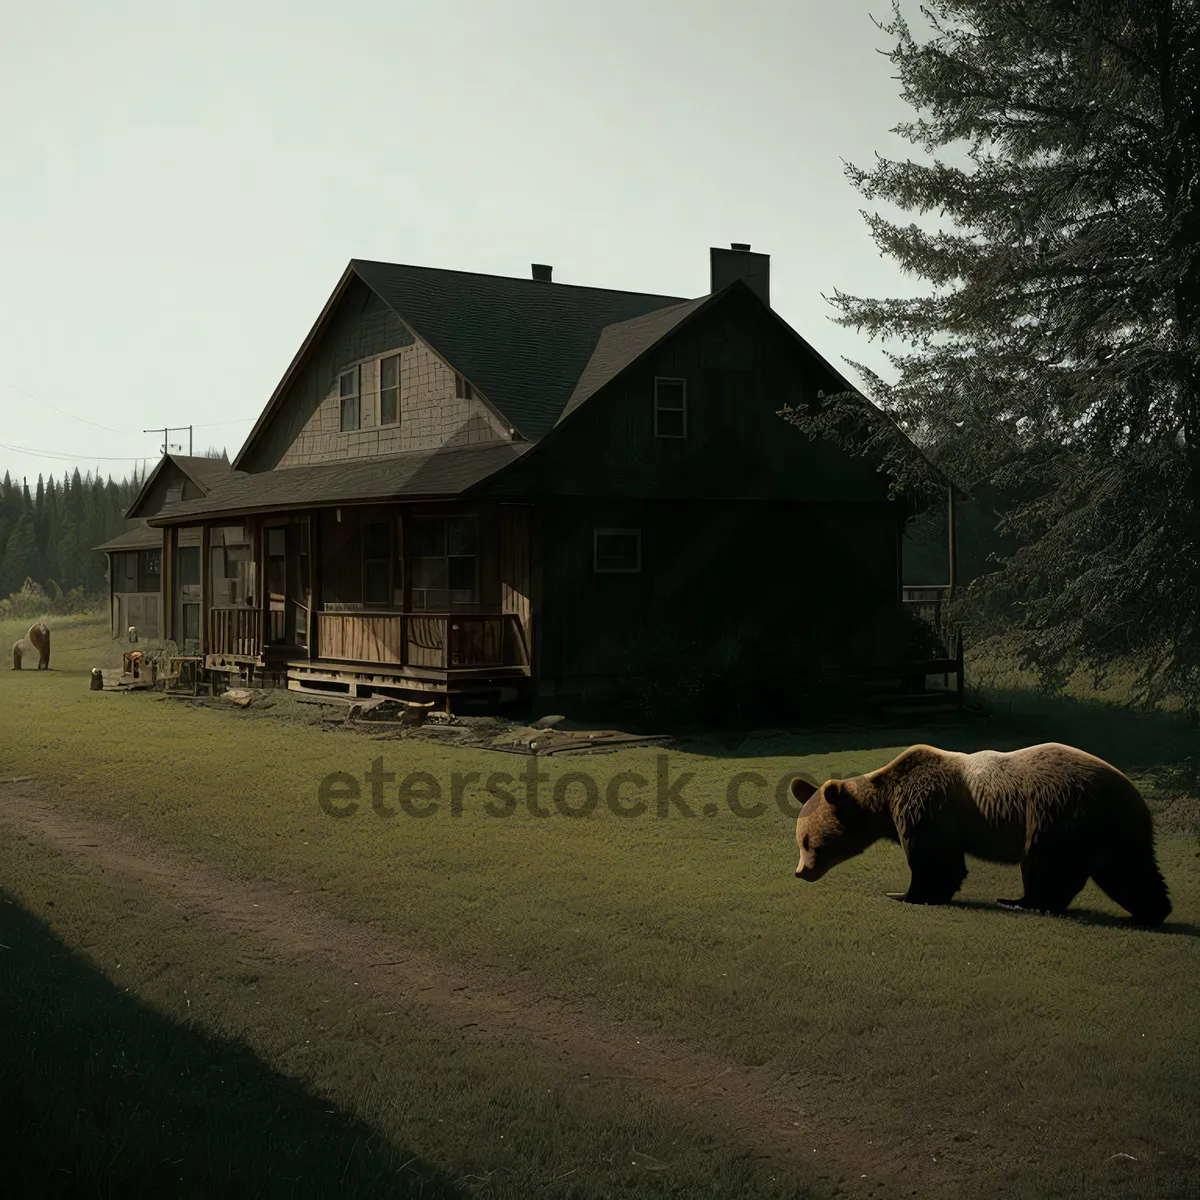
(38, 638)
(1062, 814)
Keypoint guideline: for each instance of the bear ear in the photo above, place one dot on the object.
(801, 789)
(840, 794)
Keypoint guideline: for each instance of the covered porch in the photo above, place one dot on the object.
(362, 598)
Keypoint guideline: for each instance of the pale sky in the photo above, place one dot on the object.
(182, 185)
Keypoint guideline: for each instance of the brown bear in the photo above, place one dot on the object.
(38, 638)
(1061, 813)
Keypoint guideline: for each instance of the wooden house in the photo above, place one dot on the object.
(472, 484)
(135, 593)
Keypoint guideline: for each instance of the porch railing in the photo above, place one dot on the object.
(235, 631)
(440, 641)
(927, 602)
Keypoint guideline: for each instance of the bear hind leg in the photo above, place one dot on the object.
(1137, 885)
(1053, 873)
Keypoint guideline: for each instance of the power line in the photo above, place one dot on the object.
(54, 454)
(109, 428)
(64, 413)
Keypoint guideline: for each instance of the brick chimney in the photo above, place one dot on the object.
(542, 272)
(739, 263)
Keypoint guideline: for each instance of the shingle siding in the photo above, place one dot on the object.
(431, 414)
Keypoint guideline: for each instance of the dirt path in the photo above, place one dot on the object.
(777, 1116)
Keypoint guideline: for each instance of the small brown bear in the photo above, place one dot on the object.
(38, 638)
(1061, 813)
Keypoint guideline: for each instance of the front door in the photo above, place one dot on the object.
(288, 596)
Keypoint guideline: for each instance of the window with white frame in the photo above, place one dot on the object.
(349, 397)
(462, 389)
(617, 551)
(670, 408)
(389, 390)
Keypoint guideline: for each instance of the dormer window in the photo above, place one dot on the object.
(462, 389)
(389, 390)
(348, 394)
(670, 408)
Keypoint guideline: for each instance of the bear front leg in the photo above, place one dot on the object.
(937, 871)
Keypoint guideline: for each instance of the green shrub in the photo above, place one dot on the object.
(32, 601)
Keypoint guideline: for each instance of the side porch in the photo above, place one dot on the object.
(395, 599)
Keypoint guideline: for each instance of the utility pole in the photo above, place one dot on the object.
(166, 434)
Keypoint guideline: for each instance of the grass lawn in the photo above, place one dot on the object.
(953, 1051)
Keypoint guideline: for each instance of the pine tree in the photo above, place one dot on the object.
(1057, 354)
(19, 551)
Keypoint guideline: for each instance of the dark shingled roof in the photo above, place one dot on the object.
(412, 474)
(523, 343)
(139, 537)
(203, 471)
(624, 342)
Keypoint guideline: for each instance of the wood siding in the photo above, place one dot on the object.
(361, 637)
(717, 571)
(740, 369)
(515, 576)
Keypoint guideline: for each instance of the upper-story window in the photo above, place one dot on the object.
(462, 389)
(389, 390)
(348, 393)
(670, 408)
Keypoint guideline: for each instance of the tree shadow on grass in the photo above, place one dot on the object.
(100, 1095)
(1138, 743)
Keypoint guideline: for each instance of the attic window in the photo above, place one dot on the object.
(617, 551)
(175, 494)
(348, 395)
(462, 389)
(670, 408)
(389, 390)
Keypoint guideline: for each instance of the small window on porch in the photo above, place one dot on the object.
(128, 571)
(191, 622)
(187, 566)
(377, 564)
(237, 573)
(617, 550)
(445, 563)
(670, 408)
(348, 394)
(148, 570)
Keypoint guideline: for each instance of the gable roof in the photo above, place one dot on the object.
(204, 472)
(411, 474)
(523, 343)
(620, 345)
(138, 537)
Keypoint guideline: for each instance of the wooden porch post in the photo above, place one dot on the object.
(314, 583)
(952, 538)
(166, 584)
(205, 589)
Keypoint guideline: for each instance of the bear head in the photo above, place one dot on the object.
(832, 825)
